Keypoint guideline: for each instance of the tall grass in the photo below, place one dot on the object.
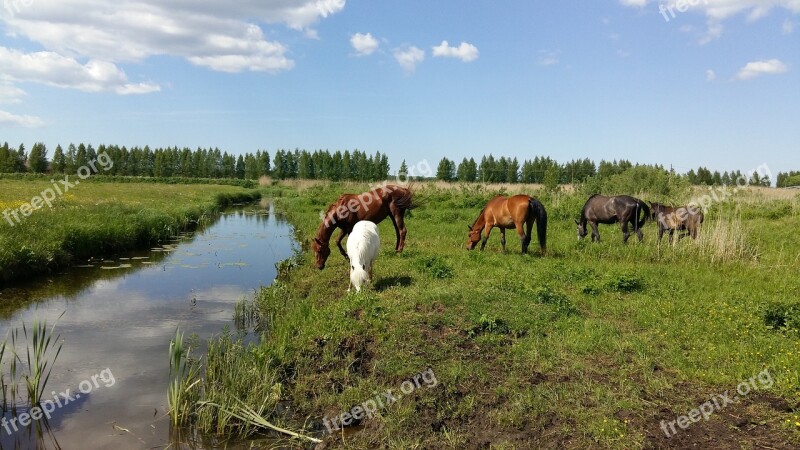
(725, 240)
(42, 348)
(184, 378)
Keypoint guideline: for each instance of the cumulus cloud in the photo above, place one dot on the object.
(11, 94)
(409, 57)
(548, 57)
(757, 68)
(12, 120)
(466, 52)
(364, 44)
(224, 36)
(717, 11)
(53, 69)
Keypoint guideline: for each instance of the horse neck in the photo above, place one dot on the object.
(480, 222)
(325, 230)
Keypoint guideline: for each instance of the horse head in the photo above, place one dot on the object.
(473, 238)
(581, 229)
(321, 252)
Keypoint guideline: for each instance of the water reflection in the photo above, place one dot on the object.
(121, 318)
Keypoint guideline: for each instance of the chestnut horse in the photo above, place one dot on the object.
(389, 201)
(683, 218)
(622, 208)
(510, 212)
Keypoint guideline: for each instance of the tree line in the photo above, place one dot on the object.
(199, 163)
(545, 170)
(337, 166)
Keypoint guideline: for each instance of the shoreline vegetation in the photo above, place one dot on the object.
(592, 345)
(98, 218)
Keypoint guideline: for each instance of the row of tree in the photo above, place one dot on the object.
(199, 163)
(337, 166)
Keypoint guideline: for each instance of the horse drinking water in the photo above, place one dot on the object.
(622, 208)
(362, 249)
(388, 201)
(510, 212)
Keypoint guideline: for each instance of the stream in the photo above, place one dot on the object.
(116, 318)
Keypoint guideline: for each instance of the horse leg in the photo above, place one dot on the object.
(660, 233)
(625, 233)
(393, 217)
(342, 234)
(671, 234)
(503, 239)
(639, 233)
(595, 233)
(525, 236)
(486, 231)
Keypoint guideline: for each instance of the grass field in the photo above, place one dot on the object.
(96, 219)
(590, 345)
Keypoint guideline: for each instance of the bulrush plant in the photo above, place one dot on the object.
(41, 352)
(184, 376)
(43, 346)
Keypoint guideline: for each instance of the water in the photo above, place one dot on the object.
(118, 318)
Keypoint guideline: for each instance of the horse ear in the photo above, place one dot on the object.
(469, 227)
(577, 223)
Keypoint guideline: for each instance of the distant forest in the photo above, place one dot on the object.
(335, 166)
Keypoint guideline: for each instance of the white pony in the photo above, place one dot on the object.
(363, 245)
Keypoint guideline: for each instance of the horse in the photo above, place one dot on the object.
(362, 249)
(682, 218)
(622, 208)
(389, 201)
(510, 212)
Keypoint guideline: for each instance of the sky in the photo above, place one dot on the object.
(688, 83)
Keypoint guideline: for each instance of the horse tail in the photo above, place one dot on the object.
(404, 198)
(541, 221)
(644, 208)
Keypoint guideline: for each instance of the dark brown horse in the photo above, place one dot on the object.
(622, 208)
(510, 212)
(682, 218)
(388, 201)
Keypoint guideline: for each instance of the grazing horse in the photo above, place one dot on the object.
(510, 212)
(682, 218)
(362, 249)
(388, 201)
(622, 208)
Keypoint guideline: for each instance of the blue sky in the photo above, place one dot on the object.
(716, 85)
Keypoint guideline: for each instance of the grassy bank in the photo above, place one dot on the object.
(97, 218)
(591, 345)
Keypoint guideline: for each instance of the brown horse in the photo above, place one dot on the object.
(682, 218)
(388, 201)
(510, 212)
(622, 208)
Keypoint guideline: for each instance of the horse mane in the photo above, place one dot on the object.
(480, 214)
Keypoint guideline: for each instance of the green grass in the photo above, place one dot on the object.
(99, 218)
(589, 345)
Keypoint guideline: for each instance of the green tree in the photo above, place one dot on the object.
(37, 159)
(445, 171)
(402, 174)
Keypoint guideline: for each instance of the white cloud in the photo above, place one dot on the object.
(224, 36)
(13, 120)
(409, 57)
(757, 68)
(710, 75)
(466, 52)
(55, 70)
(11, 94)
(548, 57)
(364, 44)
(717, 11)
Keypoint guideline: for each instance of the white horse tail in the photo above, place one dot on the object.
(363, 245)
